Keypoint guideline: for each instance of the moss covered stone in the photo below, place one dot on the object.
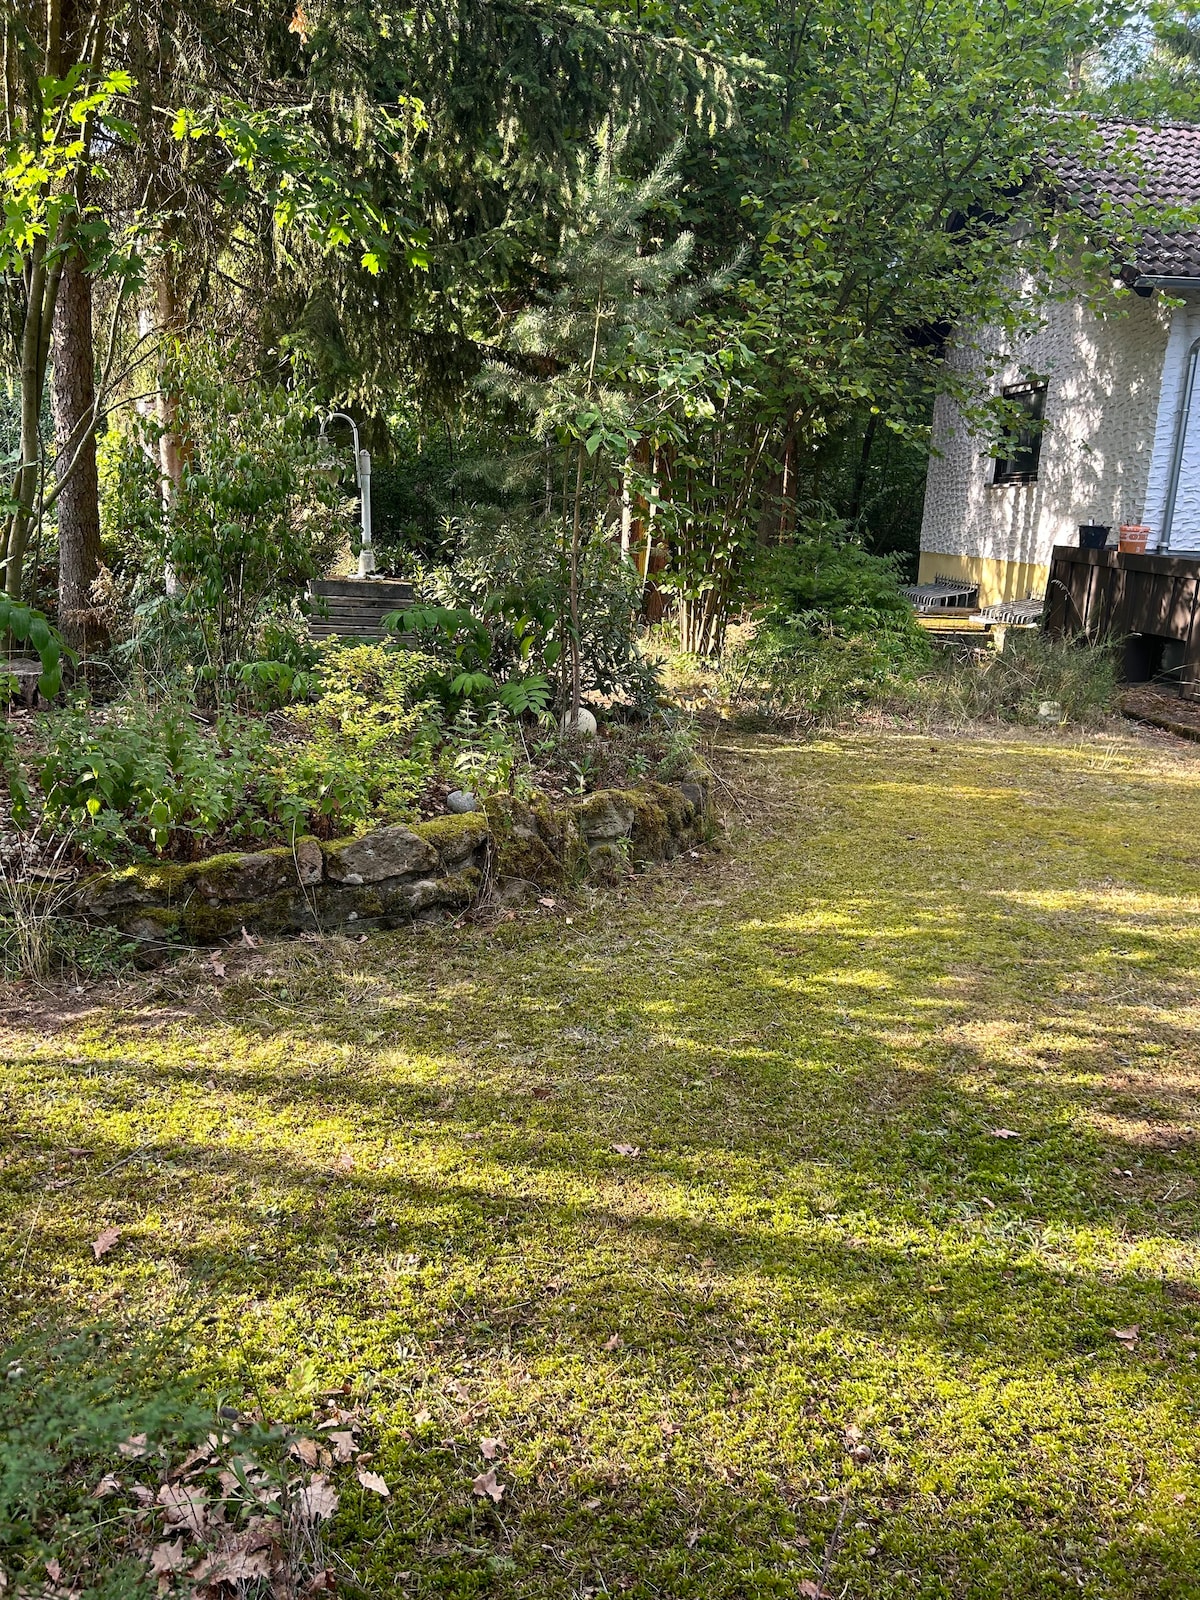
(394, 874)
(454, 838)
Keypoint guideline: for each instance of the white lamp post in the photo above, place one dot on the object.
(362, 476)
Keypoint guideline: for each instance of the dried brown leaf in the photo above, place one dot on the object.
(488, 1484)
(372, 1481)
(134, 1448)
(304, 1450)
(489, 1449)
(614, 1343)
(1004, 1133)
(185, 1506)
(169, 1556)
(105, 1241)
(630, 1150)
(317, 1500)
(1127, 1336)
(109, 1484)
(343, 1445)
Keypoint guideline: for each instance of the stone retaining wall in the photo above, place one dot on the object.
(398, 874)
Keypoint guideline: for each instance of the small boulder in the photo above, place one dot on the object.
(460, 801)
(392, 852)
(582, 725)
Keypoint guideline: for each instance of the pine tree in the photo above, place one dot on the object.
(575, 360)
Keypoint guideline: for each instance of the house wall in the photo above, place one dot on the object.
(1101, 415)
(1184, 533)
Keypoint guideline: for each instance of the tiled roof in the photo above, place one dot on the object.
(1169, 160)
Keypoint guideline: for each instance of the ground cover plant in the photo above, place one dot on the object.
(816, 1218)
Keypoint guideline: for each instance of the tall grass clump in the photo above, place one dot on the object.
(1034, 678)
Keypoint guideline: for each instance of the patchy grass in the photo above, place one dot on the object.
(828, 1327)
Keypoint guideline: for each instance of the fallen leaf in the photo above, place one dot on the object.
(53, 1569)
(614, 1343)
(325, 1582)
(217, 964)
(691, 1539)
(168, 1557)
(1004, 1133)
(542, 1092)
(143, 1495)
(811, 1590)
(421, 1418)
(486, 1484)
(343, 1445)
(105, 1241)
(184, 1506)
(345, 1162)
(249, 940)
(372, 1481)
(630, 1150)
(304, 1450)
(591, 1505)
(317, 1500)
(134, 1448)
(490, 1448)
(1127, 1336)
(459, 1393)
(109, 1484)
(548, 901)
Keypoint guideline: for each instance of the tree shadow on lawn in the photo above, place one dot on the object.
(824, 1227)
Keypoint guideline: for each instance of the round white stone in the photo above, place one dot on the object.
(584, 723)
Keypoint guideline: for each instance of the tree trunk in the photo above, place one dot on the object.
(74, 427)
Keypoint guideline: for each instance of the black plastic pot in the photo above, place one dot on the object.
(1093, 536)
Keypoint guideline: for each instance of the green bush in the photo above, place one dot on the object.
(367, 745)
(147, 777)
(833, 632)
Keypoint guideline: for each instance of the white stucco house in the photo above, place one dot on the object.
(1119, 409)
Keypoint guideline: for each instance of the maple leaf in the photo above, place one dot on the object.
(630, 1150)
(372, 1481)
(317, 1500)
(490, 1448)
(105, 1241)
(487, 1484)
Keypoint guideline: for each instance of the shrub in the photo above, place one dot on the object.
(833, 633)
(512, 579)
(367, 743)
(148, 778)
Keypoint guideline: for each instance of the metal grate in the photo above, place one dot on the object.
(943, 594)
(1020, 613)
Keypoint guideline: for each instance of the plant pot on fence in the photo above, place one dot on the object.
(1133, 538)
(1093, 535)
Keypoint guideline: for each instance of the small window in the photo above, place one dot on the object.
(1021, 446)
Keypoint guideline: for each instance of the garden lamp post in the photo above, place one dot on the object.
(362, 476)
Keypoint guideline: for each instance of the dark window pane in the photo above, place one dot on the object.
(1022, 446)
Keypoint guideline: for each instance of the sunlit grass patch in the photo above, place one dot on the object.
(911, 1076)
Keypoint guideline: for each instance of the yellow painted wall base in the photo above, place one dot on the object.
(997, 580)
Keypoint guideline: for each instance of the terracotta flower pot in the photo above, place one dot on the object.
(1132, 539)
